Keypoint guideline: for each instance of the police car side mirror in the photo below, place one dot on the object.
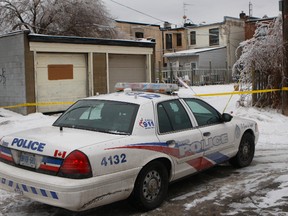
(226, 117)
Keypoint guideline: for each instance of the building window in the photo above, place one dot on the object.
(193, 66)
(214, 36)
(192, 38)
(139, 34)
(179, 39)
(168, 38)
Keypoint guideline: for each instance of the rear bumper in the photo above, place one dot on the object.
(71, 194)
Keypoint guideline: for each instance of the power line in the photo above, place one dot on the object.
(137, 11)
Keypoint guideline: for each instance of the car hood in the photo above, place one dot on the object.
(49, 140)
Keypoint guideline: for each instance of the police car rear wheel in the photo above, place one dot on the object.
(151, 186)
(245, 153)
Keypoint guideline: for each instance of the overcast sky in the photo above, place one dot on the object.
(198, 11)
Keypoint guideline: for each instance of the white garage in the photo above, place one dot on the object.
(43, 73)
(46, 73)
(60, 77)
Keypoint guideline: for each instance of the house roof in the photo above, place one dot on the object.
(226, 18)
(192, 52)
(137, 23)
(260, 19)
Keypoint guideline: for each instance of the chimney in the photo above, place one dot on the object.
(243, 16)
(167, 25)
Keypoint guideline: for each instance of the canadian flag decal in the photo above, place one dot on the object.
(59, 154)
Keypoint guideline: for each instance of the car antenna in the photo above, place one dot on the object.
(185, 84)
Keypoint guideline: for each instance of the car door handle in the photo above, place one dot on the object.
(206, 134)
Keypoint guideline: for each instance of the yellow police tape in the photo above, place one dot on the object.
(36, 104)
(200, 95)
(241, 92)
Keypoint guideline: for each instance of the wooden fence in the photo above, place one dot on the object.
(262, 81)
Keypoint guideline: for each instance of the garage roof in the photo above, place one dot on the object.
(86, 40)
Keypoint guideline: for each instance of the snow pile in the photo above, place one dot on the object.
(11, 122)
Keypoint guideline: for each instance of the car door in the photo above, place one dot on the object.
(218, 135)
(182, 138)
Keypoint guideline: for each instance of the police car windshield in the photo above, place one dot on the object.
(100, 115)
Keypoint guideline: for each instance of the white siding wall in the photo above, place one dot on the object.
(217, 59)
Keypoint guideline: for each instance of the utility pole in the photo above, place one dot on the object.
(284, 8)
(250, 9)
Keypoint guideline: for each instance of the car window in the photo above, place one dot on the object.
(203, 112)
(172, 117)
(97, 115)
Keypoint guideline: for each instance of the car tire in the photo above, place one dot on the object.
(245, 152)
(151, 186)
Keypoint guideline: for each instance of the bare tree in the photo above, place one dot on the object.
(84, 18)
(260, 63)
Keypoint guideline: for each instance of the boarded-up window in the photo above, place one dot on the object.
(60, 72)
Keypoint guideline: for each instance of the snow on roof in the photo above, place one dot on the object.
(191, 52)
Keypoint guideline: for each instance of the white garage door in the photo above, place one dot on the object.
(60, 78)
(126, 68)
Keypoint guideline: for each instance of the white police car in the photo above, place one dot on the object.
(126, 144)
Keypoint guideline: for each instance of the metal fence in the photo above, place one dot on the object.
(195, 76)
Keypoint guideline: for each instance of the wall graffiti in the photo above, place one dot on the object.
(2, 76)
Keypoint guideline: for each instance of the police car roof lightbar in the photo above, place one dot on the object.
(148, 87)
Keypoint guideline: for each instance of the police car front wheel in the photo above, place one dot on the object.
(150, 187)
(245, 152)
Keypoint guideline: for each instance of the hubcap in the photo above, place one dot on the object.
(151, 185)
(246, 152)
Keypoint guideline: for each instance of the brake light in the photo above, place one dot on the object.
(76, 165)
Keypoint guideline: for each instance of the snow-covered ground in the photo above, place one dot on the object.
(270, 163)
